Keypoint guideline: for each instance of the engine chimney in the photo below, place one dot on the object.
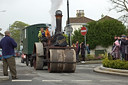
(58, 21)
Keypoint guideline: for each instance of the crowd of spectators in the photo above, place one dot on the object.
(120, 48)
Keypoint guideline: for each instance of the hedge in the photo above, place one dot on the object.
(116, 64)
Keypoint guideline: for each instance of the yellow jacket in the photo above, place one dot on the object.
(39, 34)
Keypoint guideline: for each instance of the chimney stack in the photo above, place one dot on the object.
(80, 13)
(58, 21)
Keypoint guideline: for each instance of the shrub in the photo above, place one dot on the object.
(92, 57)
(100, 33)
(116, 64)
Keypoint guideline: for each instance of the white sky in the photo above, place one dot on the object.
(37, 11)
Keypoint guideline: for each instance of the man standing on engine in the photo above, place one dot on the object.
(41, 34)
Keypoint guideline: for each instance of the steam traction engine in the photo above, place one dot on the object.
(54, 52)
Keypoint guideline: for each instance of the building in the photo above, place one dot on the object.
(80, 20)
(106, 18)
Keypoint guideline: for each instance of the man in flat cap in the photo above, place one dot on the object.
(8, 44)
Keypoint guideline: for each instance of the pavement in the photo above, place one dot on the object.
(101, 69)
(84, 75)
(2, 78)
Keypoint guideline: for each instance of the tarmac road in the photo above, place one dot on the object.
(84, 75)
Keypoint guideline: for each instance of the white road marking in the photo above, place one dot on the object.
(21, 80)
(111, 81)
(71, 81)
(52, 80)
(81, 80)
(84, 68)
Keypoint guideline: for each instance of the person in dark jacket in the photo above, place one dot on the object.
(122, 47)
(83, 51)
(126, 49)
(77, 51)
(8, 44)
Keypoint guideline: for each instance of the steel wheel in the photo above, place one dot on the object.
(27, 60)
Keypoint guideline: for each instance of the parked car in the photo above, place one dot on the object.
(17, 54)
(23, 58)
(0, 54)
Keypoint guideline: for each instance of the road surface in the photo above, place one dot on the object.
(84, 75)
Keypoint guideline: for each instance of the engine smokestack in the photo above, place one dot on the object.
(58, 21)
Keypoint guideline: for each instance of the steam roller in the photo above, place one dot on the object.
(54, 53)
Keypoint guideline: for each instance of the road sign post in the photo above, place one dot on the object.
(69, 30)
(84, 32)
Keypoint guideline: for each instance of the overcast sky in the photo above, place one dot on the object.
(37, 11)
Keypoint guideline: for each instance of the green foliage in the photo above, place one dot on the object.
(116, 64)
(77, 36)
(15, 30)
(66, 37)
(103, 32)
(92, 57)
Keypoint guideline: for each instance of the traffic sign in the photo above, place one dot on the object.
(68, 28)
(83, 31)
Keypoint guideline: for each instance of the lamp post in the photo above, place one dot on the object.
(69, 30)
(68, 27)
(68, 22)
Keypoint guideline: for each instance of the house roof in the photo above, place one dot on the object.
(106, 18)
(80, 20)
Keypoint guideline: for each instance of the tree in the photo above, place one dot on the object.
(101, 33)
(15, 30)
(121, 6)
(77, 36)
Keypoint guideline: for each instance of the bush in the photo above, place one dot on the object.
(116, 64)
(104, 32)
(92, 57)
(100, 33)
